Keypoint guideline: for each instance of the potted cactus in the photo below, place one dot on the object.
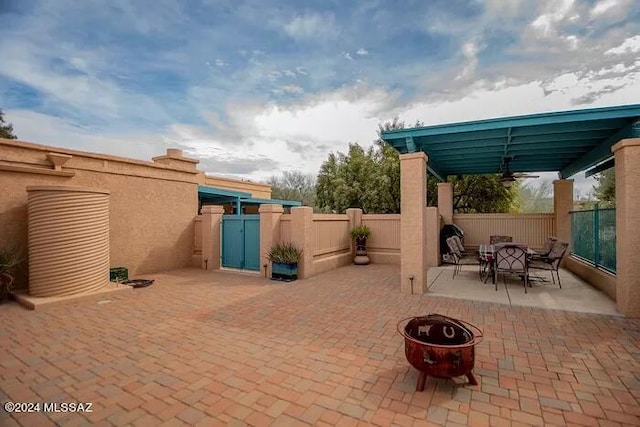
(360, 234)
(284, 259)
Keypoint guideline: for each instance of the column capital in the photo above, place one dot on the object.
(631, 142)
(213, 209)
(411, 156)
(275, 208)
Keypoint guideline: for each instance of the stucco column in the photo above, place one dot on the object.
(413, 191)
(302, 236)
(355, 220)
(562, 206)
(445, 201)
(211, 229)
(627, 158)
(432, 236)
(269, 233)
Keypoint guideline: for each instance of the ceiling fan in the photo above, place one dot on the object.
(509, 177)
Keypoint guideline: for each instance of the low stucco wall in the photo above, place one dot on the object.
(599, 279)
(151, 209)
(331, 242)
(383, 247)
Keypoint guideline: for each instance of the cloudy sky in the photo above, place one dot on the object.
(259, 86)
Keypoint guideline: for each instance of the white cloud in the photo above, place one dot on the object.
(555, 11)
(630, 45)
(362, 51)
(220, 62)
(602, 7)
(288, 89)
(311, 26)
(470, 51)
(347, 55)
(572, 42)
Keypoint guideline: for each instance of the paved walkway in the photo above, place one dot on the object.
(206, 349)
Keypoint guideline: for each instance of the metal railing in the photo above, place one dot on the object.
(593, 237)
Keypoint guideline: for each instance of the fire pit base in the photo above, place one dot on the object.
(422, 379)
(440, 346)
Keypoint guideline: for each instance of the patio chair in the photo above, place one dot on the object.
(548, 246)
(459, 258)
(500, 239)
(511, 259)
(551, 262)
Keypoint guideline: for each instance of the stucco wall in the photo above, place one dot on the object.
(152, 204)
(602, 280)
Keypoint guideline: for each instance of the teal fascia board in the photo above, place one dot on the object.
(212, 191)
(257, 201)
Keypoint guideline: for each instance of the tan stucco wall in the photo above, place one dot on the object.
(627, 158)
(151, 206)
(597, 278)
(257, 190)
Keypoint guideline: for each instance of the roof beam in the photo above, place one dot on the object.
(411, 146)
(601, 167)
(435, 170)
(601, 151)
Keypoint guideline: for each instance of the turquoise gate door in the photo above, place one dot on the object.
(241, 241)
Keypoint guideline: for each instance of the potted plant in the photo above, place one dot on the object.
(9, 260)
(284, 259)
(360, 234)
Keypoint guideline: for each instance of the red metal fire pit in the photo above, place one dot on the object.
(440, 346)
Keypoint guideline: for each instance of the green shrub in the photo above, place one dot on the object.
(360, 232)
(284, 253)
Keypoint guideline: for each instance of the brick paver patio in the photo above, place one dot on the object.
(206, 349)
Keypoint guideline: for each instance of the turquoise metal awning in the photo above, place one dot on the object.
(217, 195)
(567, 141)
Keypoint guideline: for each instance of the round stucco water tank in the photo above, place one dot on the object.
(68, 240)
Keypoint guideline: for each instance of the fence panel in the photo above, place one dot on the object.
(331, 234)
(285, 228)
(532, 229)
(593, 237)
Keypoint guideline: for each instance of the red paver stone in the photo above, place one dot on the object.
(218, 348)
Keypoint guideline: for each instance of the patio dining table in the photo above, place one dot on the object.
(486, 254)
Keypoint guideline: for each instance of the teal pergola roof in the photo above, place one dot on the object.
(214, 195)
(567, 141)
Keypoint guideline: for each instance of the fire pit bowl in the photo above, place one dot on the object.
(440, 346)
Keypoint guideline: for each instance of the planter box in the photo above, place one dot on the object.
(118, 274)
(286, 272)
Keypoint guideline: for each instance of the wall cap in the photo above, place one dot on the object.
(212, 209)
(67, 188)
(411, 156)
(631, 142)
(270, 208)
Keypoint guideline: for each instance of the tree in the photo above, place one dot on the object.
(370, 179)
(294, 185)
(605, 188)
(532, 198)
(6, 130)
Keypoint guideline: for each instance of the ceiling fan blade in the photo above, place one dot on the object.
(524, 175)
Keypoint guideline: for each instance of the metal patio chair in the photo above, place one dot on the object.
(511, 259)
(548, 246)
(551, 262)
(459, 257)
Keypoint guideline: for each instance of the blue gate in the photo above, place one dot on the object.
(241, 241)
